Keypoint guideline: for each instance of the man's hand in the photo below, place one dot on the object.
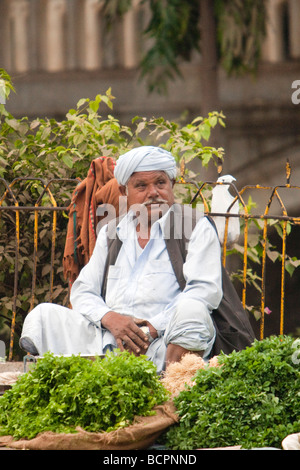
(140, 322)
(126, 332)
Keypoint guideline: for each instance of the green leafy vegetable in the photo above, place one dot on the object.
(61, 393)
(252, 400)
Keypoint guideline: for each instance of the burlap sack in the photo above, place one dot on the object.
(140, 435)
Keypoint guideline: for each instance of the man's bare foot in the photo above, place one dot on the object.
(175, 353)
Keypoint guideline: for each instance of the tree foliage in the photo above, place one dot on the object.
(175, 33)
(241, 28)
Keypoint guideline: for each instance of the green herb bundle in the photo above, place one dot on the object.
(60, 393)
(251, 400)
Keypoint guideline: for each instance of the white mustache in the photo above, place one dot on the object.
(154, 201)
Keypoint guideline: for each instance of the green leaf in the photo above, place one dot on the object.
(206, 157)
(68, 160)
(205, 131)
(273, 255)
(78, 139)
(46, 131)
(94, 105)
(17, 125)
(213, 120)
(82, 102)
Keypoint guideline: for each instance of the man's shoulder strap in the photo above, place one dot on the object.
(182, 221)
(113, 247)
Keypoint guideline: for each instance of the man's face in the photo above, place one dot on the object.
(153, 190)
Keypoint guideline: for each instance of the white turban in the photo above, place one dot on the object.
(146, 158)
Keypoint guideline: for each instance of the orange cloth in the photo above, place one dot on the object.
(99, 187)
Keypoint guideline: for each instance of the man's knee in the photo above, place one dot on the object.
(191, 328)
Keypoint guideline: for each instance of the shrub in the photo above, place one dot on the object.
(252, 400)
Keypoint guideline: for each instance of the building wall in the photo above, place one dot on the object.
(58, 51)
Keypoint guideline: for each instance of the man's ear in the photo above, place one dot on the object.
(122, 190)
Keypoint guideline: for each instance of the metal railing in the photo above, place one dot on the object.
(47, 203)
(37, 208)
(265, 216)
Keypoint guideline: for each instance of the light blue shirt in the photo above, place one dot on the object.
(142, 282)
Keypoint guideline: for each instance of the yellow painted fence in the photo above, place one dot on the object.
(33, 220)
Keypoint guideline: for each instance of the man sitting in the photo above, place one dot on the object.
(141, 287)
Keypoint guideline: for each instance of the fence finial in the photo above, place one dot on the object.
(182, 170)
(219, 166)
(288, 171)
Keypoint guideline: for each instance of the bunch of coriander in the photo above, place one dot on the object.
(251, 400)
(61, 393)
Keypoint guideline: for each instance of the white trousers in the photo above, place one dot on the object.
(62, 331)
